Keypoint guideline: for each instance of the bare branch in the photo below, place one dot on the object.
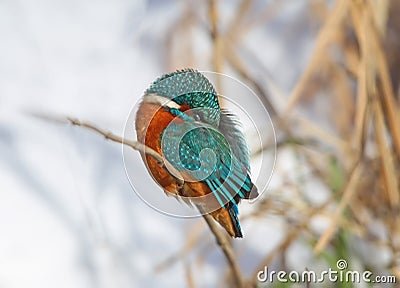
(219, 236)
(133, 144)
(226, 248)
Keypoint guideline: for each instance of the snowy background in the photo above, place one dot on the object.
(68, 216)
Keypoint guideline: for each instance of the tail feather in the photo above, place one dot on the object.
(233, 213)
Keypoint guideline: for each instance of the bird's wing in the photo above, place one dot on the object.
(207, 154)
(229, 126)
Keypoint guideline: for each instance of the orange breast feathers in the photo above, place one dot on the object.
(151, 120)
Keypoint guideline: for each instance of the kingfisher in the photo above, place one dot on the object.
(202, 144)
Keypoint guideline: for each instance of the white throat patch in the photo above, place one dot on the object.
(160, 100)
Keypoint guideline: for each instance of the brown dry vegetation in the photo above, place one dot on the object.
(355, 67)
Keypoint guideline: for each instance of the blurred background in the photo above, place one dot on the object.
(327, 71)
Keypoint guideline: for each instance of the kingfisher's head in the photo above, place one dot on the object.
(186, 90)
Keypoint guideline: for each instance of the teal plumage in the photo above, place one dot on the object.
(189, 87)
(205, 141)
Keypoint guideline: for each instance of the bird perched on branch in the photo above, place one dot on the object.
(202, 146)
